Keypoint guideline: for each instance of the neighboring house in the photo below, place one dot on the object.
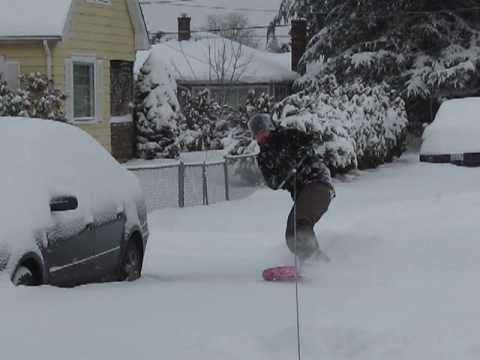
(88, 48)
(227, 68)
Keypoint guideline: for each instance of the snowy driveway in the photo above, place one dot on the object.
(402, 284)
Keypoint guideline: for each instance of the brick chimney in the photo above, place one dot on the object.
(184, 32)
(298, 34)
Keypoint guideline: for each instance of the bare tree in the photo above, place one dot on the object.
(228, 60)
(234, 26)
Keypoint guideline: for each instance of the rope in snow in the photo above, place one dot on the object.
(297, 302)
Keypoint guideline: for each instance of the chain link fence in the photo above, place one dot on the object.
(185, 184)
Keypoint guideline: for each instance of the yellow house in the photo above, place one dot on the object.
(88, 48)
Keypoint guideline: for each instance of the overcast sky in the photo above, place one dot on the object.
(162, 14)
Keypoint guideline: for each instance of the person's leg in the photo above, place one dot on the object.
(311, 204)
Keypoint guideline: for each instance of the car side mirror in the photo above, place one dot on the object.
(63, 203)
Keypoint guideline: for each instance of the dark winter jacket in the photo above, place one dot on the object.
(289, 149)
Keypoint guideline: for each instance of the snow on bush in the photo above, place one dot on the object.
(157, 110)
(165, 128)
(210, 126)
(170, 121)
(204, 124)
(240, 138)
(11, 102)
(37, 98)
(240, 135)
(429, 49)
(455, 130)
(354, 126)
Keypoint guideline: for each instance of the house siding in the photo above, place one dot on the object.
(30, 55)
(105, 32)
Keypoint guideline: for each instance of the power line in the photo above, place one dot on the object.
(358, 15)
(255, 27)
(211, 7)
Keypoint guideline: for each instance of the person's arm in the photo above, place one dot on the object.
(270, 163)
(268, 171)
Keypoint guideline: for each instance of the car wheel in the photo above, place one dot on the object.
(23, 277)
(132, 263)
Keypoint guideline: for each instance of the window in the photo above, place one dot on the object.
(121, 87)
(83, 90)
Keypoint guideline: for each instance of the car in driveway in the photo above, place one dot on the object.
(70, 214)
(453, 136)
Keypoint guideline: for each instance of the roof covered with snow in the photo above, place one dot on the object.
(208, 57)
(33, 18)
(47, 19)
(455, 130)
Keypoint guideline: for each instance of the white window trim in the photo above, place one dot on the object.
(86, 59)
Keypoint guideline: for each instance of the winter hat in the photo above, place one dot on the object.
(260, 122)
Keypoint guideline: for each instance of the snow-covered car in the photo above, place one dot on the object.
(69, 214)
(454, 135)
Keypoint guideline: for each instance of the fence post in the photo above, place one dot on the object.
(181, 184)
(205, 185)
(227, 179)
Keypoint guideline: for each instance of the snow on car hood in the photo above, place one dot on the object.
(42, 159)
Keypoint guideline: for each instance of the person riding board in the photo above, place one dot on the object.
(288, 161)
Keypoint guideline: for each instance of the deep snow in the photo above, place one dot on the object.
(402, 284)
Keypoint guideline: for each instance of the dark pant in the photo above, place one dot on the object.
(311, 203)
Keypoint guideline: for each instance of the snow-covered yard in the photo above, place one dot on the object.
(402, 284)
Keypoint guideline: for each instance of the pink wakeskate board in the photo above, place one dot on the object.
(281, 273)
